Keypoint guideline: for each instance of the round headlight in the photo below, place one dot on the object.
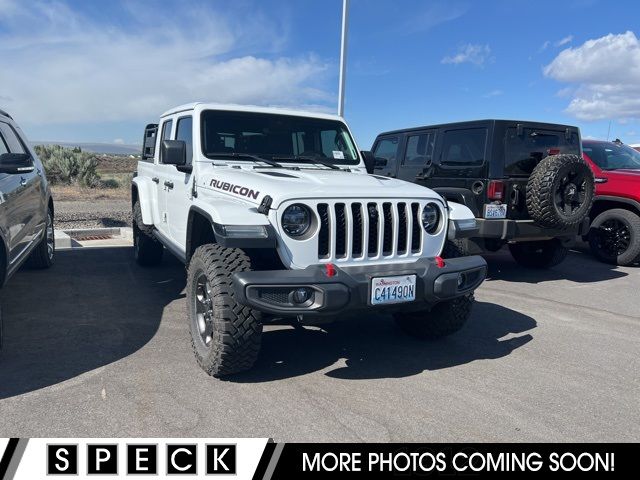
(296, 220)
(430, 217)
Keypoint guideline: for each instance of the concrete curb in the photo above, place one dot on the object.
(66, 239)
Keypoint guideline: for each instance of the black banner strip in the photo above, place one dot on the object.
(264, 462)
(8, 455)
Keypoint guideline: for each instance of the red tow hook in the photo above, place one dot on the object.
(440, 262)
(330, 270)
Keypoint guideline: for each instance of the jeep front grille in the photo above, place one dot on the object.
(368, 230)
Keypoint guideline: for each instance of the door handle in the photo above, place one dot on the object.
(155, 180)
(23, 181)
(39, 172)
(168, 184)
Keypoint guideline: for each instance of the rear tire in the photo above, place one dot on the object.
(444, 319)
(225, 335)
(614, 237)
(539, 254)
(147, 250)
(43, 255)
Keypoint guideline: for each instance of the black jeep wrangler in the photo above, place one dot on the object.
(525, 182)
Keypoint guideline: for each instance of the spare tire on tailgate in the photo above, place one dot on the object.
(560, 191)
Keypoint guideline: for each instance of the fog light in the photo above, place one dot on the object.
(301, 295)
(461, 280)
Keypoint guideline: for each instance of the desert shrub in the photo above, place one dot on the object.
(110, 183)
(69, 166)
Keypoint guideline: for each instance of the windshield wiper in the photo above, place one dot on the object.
(247, 156)
(307, 159)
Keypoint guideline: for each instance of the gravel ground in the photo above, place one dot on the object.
(92, 214)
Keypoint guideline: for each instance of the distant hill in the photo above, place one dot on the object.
(103, 148)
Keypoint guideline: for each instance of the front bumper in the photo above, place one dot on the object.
(349, 289)
(525, 230)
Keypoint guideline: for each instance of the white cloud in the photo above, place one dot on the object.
(119, 141)
(469, 53)
(433, 14)
(544, 46)
(493, 93)
(67, 67)
(564, 41)
(605, 75)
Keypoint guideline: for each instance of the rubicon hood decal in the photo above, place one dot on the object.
(237, 189)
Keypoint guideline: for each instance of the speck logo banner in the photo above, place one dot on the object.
(262, 459)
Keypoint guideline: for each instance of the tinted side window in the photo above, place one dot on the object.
(464, 147)
(419, 150)
(11, 139)
(184, 133)
(387, 148)
(166, 134)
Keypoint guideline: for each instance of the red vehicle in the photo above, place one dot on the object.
(614, 235)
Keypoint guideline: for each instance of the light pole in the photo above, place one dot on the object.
(343, 56)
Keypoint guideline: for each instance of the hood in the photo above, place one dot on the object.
(285, 184)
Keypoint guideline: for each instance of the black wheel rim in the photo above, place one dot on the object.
(613, 238)
(571, 192)
(51, 242)
(203, 308)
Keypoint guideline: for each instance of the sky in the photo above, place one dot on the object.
(96, 71)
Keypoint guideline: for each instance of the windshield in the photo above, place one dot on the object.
(612, 156)
(271, 135)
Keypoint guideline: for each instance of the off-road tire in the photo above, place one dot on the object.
(44, 254)
(147, 250)
(445, 318)
(236, 329)
(454, 249)
(543, 183)
(632, 222)
(539, 254)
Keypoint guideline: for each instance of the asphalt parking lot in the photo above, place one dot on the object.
(98, 346)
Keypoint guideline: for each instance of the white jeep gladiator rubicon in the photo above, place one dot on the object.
(275, 215)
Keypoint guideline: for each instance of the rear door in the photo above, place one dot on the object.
(525, 145)
(386, 151)
(162, 178)
(459, 168)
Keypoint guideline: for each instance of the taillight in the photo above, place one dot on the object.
(496, 190)
(554, 151)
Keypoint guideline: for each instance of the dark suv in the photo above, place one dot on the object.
(26, 207)
(525, 182)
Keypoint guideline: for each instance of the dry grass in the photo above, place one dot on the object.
(77, 193)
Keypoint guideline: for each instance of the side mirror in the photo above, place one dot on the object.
(173, 152)
(380, 163)
(369, 160)
(13, 163)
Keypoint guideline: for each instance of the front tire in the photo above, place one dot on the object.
(43, 255)
(539, 254)
(147, 250)
(614, 237)
(225, 335)
(445, 318)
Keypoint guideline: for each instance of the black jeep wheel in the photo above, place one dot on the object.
(146, 249)
(43, 255)
(225, 335)
(539, 254)
(560, 191)
(614, 237)
(444, 319)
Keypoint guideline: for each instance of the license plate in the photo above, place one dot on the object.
(495, 211)
(385, 290)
